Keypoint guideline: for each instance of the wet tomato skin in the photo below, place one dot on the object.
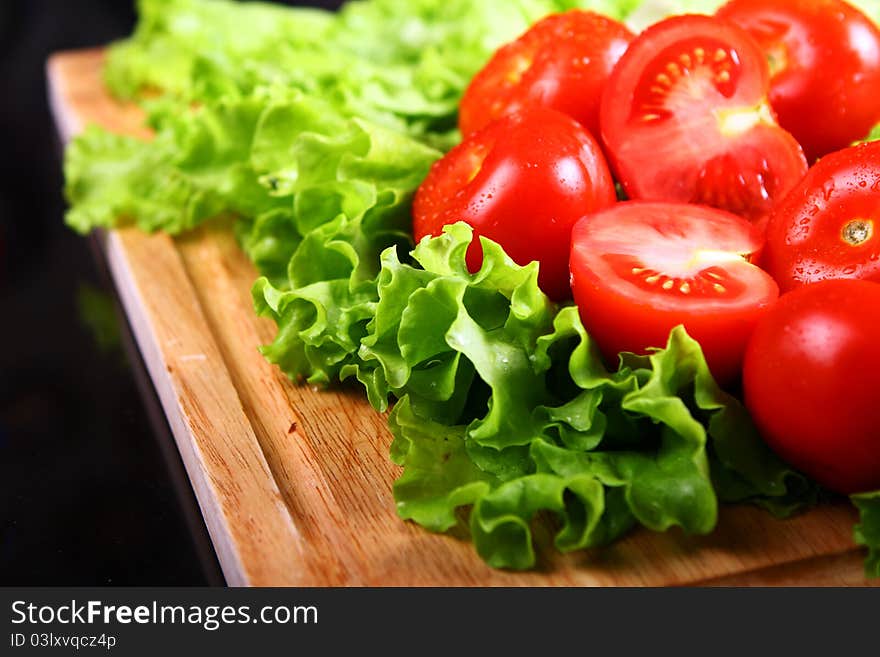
(562, 62)
(685, 118)
(522, 181)
(829, 225)
(825, 67)
(641, 268)
(810, 381)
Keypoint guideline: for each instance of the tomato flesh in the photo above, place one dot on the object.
(561, 62)
(825, 67)
(639, 269)
(685, 118)
(829, 226)
(810, 381)
(522, 181)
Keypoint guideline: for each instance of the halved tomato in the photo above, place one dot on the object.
(685, 117)
(638, 269)
(561, 62)
(522, 181)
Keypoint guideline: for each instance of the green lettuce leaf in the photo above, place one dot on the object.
(867, 532)
(531, 422)
(111, 180)
(874, 135)
(223, 80)
(350, 187)
(175, 39)
(404, 68)
(197, 169)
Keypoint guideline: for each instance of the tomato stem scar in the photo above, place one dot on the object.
(857, 232)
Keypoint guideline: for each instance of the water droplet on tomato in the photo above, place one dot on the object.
(828, 189)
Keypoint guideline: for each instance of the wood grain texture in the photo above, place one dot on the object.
(295, 483)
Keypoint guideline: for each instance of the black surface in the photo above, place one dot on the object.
(91, 486)
(88, 493)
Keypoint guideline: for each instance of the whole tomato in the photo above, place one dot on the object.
(522, 181)
(811, 379)
(824, 66)
(562, 62)
(829, 225)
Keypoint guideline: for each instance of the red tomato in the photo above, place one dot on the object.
(829, 225)
(685, 118)
(811, 376)
(824, 64)
(522, 181)
(639, 269)
(562, 62)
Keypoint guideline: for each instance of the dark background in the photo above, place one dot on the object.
(92, 490)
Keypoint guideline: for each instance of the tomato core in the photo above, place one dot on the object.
(735, 121)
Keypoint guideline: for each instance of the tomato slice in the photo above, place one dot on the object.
(829, 226)
(685, 117)
(522, 181)
(640, 268)
(561, 62)
(825, 67)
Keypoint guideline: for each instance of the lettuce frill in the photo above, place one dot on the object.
(505, 407)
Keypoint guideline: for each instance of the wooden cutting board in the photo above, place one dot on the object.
(295, 483)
